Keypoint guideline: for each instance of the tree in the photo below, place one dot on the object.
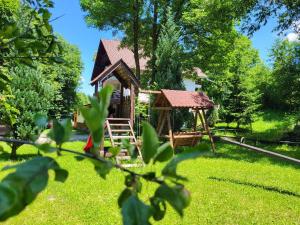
(168, 57)
(286, 74)
(28, 101)
(137, 20)
(168, 64)
(287, 13)
(25, 37)
(65, 78)
(236, 90)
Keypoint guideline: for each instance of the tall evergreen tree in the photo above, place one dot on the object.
(168, 56)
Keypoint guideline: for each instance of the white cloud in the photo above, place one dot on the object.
(292, 37)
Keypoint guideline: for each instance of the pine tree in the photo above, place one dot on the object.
(168, 56)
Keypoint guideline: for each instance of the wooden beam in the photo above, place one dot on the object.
(170, 129)
(162, 122)
(122, 101)
(149, 91)
(202, 121)
(162, 108)
(196, 120)
(208, 132)
(132, 104)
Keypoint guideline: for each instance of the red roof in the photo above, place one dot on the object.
(187, 99)
(115, 53)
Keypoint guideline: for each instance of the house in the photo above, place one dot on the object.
(110, 52)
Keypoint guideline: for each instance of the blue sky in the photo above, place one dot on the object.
(74, 29)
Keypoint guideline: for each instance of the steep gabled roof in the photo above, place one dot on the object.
(115, 53)
(110, 52)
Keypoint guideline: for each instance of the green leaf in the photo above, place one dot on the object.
(61, 175)
(40, 120)
(61, 131)
(114, 151)
(158, 207)
(178, 197)
(46, 147)
(20, 187)
(126, 193)
(150, 142)
(102, 168)
(10, 203)
(164, 153)
(130, 148)
(170, 169)
(96, 115)
(135, 212)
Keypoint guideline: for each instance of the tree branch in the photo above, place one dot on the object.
(86, 155)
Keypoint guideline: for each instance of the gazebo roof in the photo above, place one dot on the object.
(183, 99)
(121, 71)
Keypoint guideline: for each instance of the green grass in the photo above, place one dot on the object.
(233, 187)
(268, 125)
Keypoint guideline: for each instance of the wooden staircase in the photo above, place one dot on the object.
(119, 129)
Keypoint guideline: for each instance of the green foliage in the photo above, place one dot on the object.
(61, 131)
(150, 142)
(168, 57)
(96, 115)
(237, 90)
(286, 12)
(285, 80)
(135, 212)
(36, 100)
(20, 188)
(65, 78)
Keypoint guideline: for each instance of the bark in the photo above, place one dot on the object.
(136, 30)
(13, 154)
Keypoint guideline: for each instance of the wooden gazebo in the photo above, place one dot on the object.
(198, 102)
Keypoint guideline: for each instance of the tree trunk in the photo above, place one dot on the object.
(136, 30)
(13, 154)
(154, 39)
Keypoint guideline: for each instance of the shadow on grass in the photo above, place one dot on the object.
(233, 152)
(5, 156)
(260, 186)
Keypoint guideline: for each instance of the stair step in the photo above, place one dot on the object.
(122, 137)
(118, 119)
(119, 143)
(119, 124)
(120, 131)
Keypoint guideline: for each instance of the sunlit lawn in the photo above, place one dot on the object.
(268, 125)
(232, 187)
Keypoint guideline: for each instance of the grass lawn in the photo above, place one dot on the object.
(268, 125)
(232, 187)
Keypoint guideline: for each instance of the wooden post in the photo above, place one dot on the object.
(170, 129)
(161, 125)
(96, 88)
(132, 104)
(196, 120)
(121, 101)
(208, 132)
(202, 121)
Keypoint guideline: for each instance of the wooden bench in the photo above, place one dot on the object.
(186, 138)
